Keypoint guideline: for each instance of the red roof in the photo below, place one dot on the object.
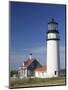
(41, 69)
(28, 62)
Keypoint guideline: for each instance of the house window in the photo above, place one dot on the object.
(55, 72)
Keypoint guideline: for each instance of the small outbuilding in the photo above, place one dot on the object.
(41, 72)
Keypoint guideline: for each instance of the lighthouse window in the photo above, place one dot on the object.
(55, 72)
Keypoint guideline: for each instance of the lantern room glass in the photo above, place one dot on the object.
(52, 26)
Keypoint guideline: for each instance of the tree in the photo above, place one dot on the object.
(13, 72)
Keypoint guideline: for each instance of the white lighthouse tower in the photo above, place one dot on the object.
(53, 49)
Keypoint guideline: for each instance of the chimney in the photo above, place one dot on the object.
(30, 56)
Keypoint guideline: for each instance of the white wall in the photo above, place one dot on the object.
(53, 35)
(22, 73)
(40, 74)
(52, 57)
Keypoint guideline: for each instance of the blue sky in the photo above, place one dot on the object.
(28, 27)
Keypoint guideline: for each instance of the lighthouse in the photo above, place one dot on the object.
(53, 61)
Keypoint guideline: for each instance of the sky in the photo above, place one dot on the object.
(28, 27)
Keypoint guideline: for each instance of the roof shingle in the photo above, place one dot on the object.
(40, 69)
(28, 62)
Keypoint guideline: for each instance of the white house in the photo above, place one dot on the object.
(32, 69)
(41, 72)
(26, 70)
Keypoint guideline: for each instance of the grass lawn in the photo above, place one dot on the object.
(37, 82)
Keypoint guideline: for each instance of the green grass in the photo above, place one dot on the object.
(37, 82)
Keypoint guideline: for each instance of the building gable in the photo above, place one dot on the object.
(34, 65)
